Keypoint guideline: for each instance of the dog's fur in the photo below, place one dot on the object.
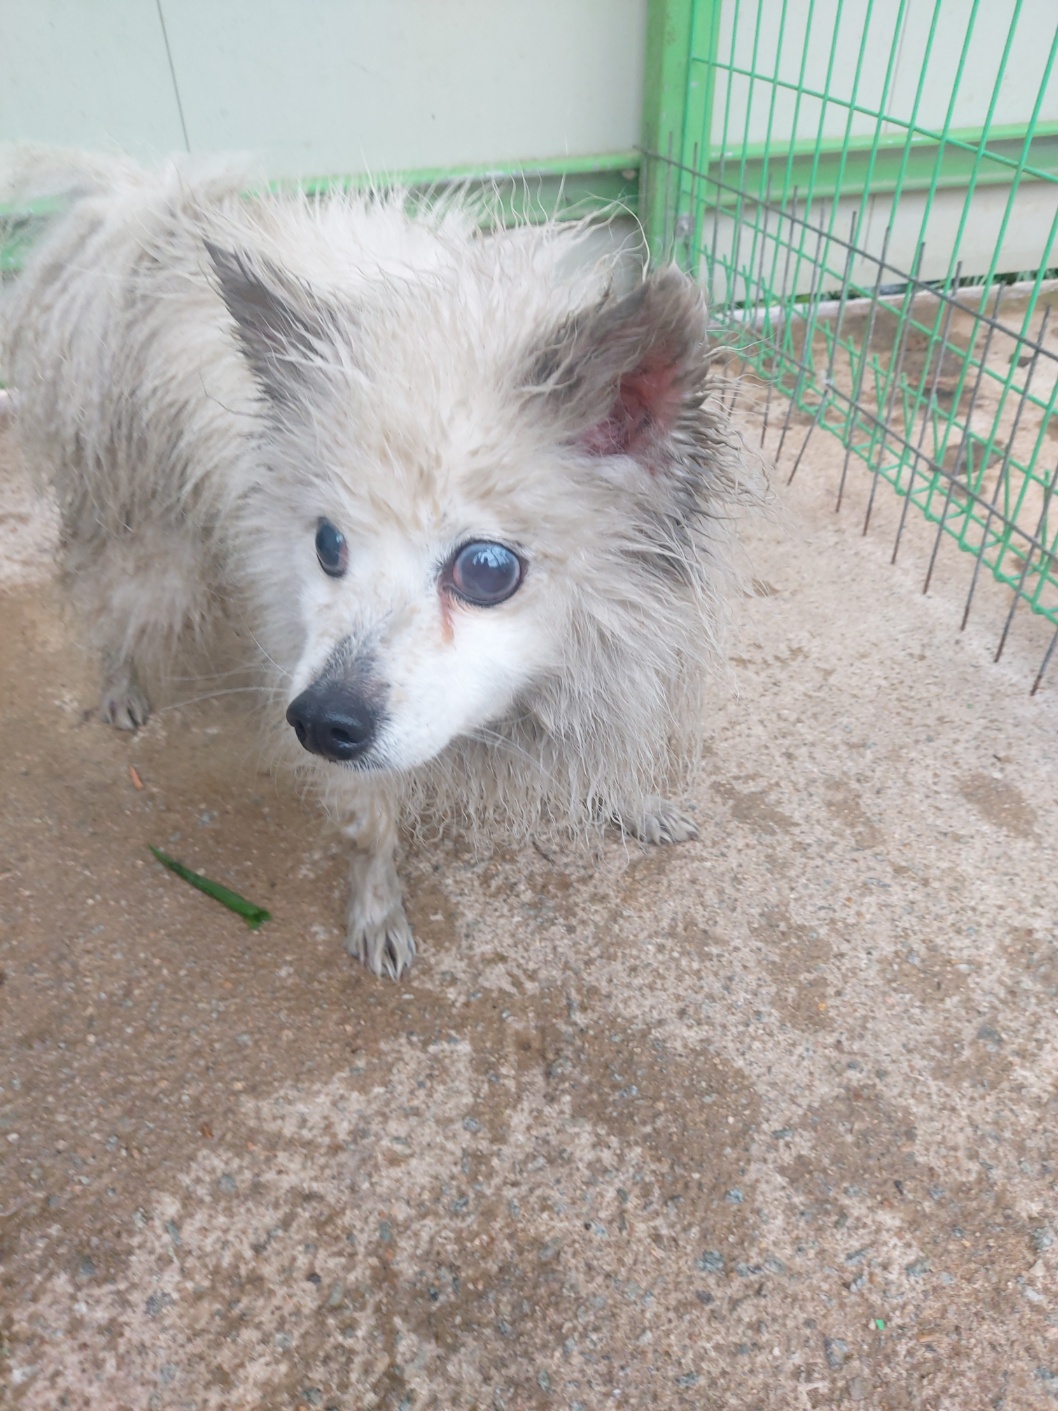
(203, 378)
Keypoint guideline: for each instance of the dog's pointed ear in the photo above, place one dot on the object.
(620, 375)
(283, 328)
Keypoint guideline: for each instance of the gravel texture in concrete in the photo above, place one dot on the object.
(766, 1120)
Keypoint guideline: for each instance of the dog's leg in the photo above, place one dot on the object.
(379, 934)
(656, 820)
(122, 700)
(138, 592)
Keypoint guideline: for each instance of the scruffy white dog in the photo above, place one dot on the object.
(471, 502)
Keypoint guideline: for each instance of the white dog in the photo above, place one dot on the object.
(472, 503)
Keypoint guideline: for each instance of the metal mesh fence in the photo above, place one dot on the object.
(869, 193)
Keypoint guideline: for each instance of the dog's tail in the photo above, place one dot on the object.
(39, 184)
(32, 172)
(57, 204)
(35, 172)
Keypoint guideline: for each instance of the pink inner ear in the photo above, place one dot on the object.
(646, 407)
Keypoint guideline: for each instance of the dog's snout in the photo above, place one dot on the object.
(332, 721)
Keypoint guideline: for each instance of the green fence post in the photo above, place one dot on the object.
(679, 82)
(668, 58)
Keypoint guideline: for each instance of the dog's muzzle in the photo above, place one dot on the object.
(334, 722)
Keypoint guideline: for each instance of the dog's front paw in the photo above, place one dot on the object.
(657, 821)
(385, 946)
(124, 704)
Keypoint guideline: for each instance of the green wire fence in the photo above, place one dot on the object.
(868, 190)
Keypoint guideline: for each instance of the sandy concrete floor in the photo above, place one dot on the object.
(764, 1121)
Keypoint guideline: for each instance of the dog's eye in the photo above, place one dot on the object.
(331, 549)
(485, 574)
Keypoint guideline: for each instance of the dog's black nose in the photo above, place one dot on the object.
(332, 721)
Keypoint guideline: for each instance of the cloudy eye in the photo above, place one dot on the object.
(331, 549)
(485, 574)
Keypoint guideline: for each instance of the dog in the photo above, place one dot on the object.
(469, 494)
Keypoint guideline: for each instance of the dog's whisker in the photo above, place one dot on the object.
(270, 659)
(503, 742)
(214, 695)
(213, 675)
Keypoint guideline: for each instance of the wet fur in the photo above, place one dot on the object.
(200, 375)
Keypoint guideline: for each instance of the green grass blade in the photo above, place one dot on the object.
(254, 916)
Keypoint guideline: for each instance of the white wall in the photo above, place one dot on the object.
(323, 87)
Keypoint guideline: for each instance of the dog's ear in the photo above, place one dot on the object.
(284, 329)
(619, 376)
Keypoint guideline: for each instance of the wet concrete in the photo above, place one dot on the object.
(763, 1121)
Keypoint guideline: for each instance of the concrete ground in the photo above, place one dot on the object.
(764, 1121)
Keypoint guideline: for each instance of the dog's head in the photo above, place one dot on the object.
(483, 502)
